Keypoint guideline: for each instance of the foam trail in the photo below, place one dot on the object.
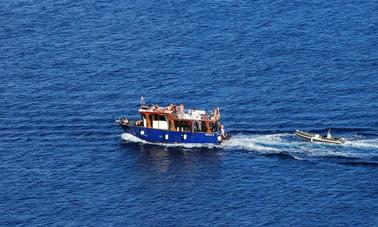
(371, 143)
(255, 142)
(284, 143)
(131, 138)
(288, 144)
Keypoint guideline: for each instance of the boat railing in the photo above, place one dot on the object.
(180, 113)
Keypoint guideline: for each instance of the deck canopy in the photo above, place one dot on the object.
(175, 117)
(179, 113)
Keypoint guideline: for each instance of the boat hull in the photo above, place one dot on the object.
(166, 136)
(317, 138)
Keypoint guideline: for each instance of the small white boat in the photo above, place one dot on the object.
(318, 138)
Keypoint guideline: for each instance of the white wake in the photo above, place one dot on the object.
(284, 143)
(371, 143)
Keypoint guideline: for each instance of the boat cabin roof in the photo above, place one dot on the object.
(179, 113)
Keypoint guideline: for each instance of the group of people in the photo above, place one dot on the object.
(179, 111)
(171, 107)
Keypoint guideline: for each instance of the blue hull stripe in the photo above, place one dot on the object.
(165, 136)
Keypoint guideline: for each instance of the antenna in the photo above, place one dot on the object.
(142, 101)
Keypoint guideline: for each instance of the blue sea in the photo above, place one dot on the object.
(69, 69)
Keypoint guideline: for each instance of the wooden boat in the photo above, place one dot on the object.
(318, 138)
(173, 124)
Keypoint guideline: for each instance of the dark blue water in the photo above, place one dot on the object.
(68, 69)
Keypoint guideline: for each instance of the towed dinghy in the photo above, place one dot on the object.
(318, 138)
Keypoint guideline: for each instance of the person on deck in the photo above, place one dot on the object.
(329, 136)
(222, 131)
(180, 110)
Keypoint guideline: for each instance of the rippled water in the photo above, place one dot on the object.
(69, 69)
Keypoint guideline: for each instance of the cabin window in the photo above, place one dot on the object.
(159, 122)
(183, 126)
(199, 126)
(203, 126)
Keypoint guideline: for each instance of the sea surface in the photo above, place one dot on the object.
(69, 69)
